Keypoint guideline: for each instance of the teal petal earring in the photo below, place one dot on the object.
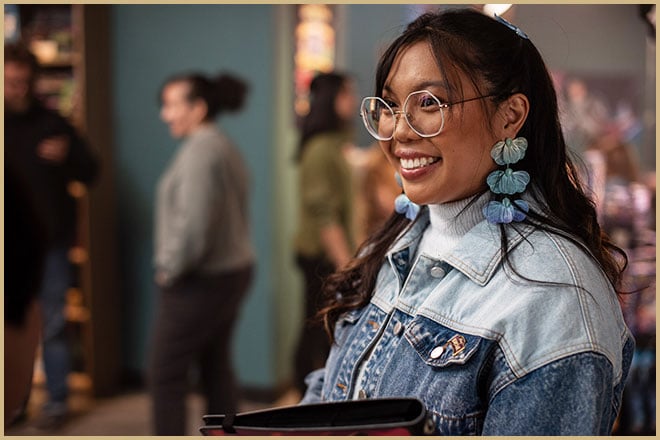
(508, 182)
(506, 211)
(509, 151)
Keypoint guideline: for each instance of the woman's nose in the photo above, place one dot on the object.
(402, 130)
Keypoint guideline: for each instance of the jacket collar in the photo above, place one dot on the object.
(477, 255)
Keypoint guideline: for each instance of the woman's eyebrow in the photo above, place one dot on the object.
(422, 85)
(425, 84)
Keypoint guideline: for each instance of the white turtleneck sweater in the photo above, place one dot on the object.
(449, 222)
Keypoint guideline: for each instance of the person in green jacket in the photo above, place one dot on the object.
(325, 239)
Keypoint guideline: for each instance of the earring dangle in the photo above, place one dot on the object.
(507, 182)
(403, 205)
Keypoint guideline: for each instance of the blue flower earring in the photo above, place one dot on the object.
(508, 182)
(403, 205)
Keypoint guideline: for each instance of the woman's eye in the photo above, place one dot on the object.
(427, 101)
(389, 102)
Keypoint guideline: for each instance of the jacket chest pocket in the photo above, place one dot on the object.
(439, 346)
(448, 364)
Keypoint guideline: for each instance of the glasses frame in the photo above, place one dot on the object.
(441, 107)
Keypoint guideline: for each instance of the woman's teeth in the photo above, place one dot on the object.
(418, 162)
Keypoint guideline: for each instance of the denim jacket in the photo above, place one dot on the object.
(487, 351)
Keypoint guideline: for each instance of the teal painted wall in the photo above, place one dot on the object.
(365, 42)
(150, 43)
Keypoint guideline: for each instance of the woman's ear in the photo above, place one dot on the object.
(200, 110)
(512, 115)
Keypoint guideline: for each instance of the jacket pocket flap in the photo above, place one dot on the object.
(439, 346)
(350, 317)
(345, 324)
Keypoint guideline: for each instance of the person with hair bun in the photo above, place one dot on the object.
(203, 255)
(491, 293)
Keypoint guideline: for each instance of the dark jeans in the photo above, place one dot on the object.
(313, 344)
(195, 322)
(56, 349)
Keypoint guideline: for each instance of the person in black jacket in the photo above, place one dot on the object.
(24, 258)
(47, 153)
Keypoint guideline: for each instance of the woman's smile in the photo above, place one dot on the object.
(415, 165)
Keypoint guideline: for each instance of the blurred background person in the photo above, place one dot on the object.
(204, 257)
(622, 198)
(325, 240)
(47, 154)
(625, 206)
(24, 258)
(584, 116)
(376, 191)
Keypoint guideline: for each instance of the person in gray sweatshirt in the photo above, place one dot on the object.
(203, 257)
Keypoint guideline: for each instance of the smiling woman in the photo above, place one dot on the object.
(495, 303)
(459, 158)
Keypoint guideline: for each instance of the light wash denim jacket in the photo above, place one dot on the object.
(486, 351)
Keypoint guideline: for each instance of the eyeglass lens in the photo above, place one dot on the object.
(421, 110)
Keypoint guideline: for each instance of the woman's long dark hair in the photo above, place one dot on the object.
(222, 93)
(322, 116)
(489, 53)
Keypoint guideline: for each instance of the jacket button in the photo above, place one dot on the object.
(437, 272)
(362, 394)
(398, 328)
(437, 352)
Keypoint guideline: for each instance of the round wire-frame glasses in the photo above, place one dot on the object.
(426, 117)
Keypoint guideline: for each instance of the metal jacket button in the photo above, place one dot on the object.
(362, 394)
(437, 272)
(437, 352)
(398, 328)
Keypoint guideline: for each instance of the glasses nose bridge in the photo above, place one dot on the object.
(396, 114)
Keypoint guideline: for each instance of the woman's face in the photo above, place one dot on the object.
(459, 155)
(181, 115)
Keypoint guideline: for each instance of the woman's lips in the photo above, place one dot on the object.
(417, 166)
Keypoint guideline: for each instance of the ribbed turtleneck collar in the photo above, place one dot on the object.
(449, 222)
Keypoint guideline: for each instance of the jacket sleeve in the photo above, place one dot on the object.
(570, 396)
(314, 381)
(81, 164)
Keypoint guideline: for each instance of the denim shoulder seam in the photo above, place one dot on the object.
(570, 264)
(518, 368)
(510, 379)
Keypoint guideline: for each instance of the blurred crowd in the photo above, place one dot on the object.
(624, 193)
